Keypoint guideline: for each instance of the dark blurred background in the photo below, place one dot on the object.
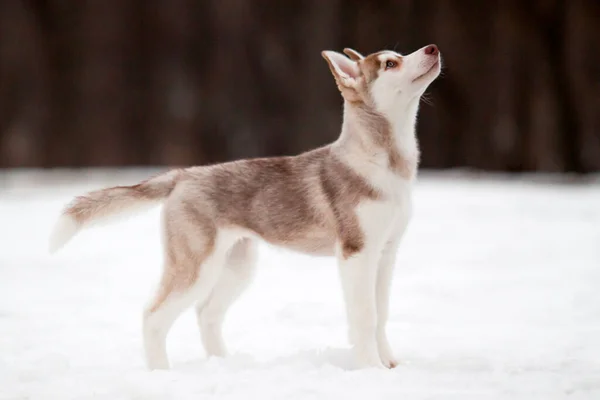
(180, 82)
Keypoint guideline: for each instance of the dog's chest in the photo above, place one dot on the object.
(396, 202)
(395, 190)
(391, 211)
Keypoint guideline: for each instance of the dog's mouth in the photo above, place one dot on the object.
(431, 68)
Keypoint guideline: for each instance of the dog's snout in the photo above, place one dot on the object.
(432, 50)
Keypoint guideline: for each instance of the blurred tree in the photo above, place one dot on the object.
(135, 82)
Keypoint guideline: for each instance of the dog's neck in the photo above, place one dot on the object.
(373, 135)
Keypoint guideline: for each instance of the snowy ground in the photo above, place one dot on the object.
(496, 296)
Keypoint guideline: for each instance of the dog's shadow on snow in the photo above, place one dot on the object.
(338, 358)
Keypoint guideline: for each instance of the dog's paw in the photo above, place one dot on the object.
(389, 362)
(386, 355)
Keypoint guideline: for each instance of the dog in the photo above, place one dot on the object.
(350, 199)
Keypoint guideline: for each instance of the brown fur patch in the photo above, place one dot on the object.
(304, 203)
(370, 67)
(339, 182)
(189, 240)
(107, 201)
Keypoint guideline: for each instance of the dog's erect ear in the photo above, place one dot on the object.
(353, 54)
(344, 70)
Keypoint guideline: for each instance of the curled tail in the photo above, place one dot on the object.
(102, 204)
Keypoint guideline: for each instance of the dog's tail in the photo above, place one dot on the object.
(101, 205)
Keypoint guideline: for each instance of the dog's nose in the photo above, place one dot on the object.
(432, 49)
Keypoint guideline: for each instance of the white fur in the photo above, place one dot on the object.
(397, 95)
(65, 228)
(383, 284)
(236, 276)
(366, 277)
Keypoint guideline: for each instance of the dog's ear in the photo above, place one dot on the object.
(344, 70)
(353, 54)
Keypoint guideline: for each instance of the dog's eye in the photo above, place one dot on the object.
(390, 64)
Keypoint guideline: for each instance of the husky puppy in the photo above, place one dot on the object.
(350, 199)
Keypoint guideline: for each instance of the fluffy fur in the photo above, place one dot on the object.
(350, 199)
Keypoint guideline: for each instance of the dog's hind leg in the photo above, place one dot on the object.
(235, 277)
(195, 253)
(179, 289)
(173, 297)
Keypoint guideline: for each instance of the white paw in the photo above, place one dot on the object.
(387, 357)
(386, 354)
(389, 361)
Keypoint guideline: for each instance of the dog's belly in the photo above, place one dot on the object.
(316, 243)
(312, 246)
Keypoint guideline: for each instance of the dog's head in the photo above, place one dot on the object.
(384, 80)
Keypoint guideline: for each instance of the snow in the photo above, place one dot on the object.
(496, 296)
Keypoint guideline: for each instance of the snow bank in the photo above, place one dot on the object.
(496, 296)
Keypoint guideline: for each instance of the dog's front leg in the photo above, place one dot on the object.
(384, 281)
(358, 273)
